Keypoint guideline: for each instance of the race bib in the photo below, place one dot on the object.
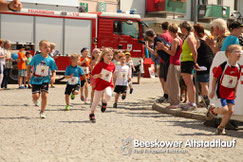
(85, 69)
(229, 81)
(42, 70)
(73, 81)
(122, 75)
(106, 75)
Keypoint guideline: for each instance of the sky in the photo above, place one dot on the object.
(55, 2)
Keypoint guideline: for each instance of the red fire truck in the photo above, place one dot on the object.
(71, 31)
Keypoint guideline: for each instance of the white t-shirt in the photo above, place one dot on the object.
(123, 73)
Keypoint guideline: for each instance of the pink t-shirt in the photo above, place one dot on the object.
(168, 38)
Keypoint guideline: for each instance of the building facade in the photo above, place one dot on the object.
(100, 5)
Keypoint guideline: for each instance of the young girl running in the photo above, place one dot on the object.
(85, 64)
(103, 73)
(95, 57)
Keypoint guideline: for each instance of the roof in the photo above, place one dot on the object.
(73, 3)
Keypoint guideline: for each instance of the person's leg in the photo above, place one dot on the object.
(20, 80)
(117, 97)
(107, 94)
(35, 97)
(3, 78)
(7, 77)
(86, 90)
(67, 99)
(97, 96)
(139, 77)
(204, 88)
(188, 78)
(43, 100)
(24, 81)
(227, 115)
(92, 95)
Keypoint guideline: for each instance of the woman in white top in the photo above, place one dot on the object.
(8, 63)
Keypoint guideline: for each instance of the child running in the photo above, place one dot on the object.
(227, 76)
(85, 64)
(129, 63)
(73, 73)
(95, 57)
(102, 72)
(123, 76)
(29, 57)
(43, 64)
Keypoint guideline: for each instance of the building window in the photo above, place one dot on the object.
(235, 4)
(220, 2)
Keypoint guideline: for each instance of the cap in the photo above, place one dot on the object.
(234, 25)
(128, 53)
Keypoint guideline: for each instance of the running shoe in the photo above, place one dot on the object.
(220, 131)
(115, 105)
(21, 87)
(85, 101)
(210, 114)
(123, 97)
(67, 108)
(92, 117)
(82, 98)
(72, 96)
(42, 115)
(103, 107)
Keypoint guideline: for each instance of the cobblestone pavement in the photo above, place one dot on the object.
(69, 136)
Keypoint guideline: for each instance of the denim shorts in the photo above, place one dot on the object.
(204, 78)
(224, 102)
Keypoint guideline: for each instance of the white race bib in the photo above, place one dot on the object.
(85, 69)
(122, 75)
(73, 81)
(42, 70)
(229, 81)
(106, 75)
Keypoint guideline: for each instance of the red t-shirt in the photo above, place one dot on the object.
(228, 81)
(101, 84)
(168, 38)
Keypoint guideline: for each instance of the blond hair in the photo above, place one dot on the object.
(104, 52)
(220, 23)
(53, 45)
(75, 56)
(42, 42)
(173, 28)
(231, 48)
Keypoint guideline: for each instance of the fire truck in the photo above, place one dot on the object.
(71, 31)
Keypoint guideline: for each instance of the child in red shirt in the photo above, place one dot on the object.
(227, 75)
(103, 73)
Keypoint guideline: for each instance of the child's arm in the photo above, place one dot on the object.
(53, 78)
(68, 76)
(212, 94)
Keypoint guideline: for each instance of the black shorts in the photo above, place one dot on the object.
(82, 83)
(39, 88)
(163, 69)
(187, 67)
(120, 89)
(70, 88)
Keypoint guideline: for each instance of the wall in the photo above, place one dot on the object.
(111, 5)
(140, 5)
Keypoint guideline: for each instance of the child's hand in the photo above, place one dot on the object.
(129, 79)
(212, 94)
(71, 75)
(97, 76)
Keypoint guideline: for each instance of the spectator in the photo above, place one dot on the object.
(219, 28)
(174, 69)
(150, 34)
(53, 55)
(21, 68)
(14, 5)
(235, 29)
(205, 58)
(2, 61)
(188, 61)
(8, 63)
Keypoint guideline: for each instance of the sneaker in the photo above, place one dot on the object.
(29, 86)
(115, 105)
(85, 101)
(92, 117)
(82, 98)
(25, 86)
(36, 103)
(21, 87)
(72, 96)
(162, 100)
(131, 90)
(189, 107)
(220, 131)
(67, 108)
(210, 114)
(206, 101)
(123, 97)
(42, 115)
(103, 107)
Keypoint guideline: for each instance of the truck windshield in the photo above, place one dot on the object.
(125, 28)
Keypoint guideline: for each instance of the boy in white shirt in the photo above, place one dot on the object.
(123, 76)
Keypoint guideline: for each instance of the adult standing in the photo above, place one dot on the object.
(188, 61)
(8, 63)
(172, 83)
(2, 61)
(14, 5)
(205, 58)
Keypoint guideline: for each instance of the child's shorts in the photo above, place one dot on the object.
(70, 88)
(120, 89)
(224, 102)
(22, 72)
(82, 83)
(39, 88)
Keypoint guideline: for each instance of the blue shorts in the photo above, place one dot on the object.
(204, 78)
(224, 102)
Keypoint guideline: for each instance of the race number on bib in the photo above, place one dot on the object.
(229, 81)
(123, 75)
(106, 75)
(42, 70)
(85, 69)
(73, 81)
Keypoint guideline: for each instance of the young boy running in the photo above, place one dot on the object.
(43, 65)
(73, 73)
(227, 76)
(122, 76)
